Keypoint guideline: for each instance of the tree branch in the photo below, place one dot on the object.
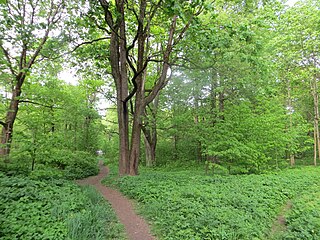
(75, 48)
(166, 56)
(7, 56)
(40, 104)
(88, 42)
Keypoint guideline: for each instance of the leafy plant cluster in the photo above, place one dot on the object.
(187, 205)
(53, 209)
(75, 164)
(303, 221)
(55, 163)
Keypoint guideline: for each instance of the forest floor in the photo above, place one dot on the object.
(280, 224)
(136, 227)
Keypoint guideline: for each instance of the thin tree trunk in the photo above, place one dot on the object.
(316, 134)
(25, 62)
(290, 107)
(316, 104)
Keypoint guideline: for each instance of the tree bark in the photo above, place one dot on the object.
(316, 122)
(7, 128)
(150, 142)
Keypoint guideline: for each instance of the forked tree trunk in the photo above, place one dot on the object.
(121, 61)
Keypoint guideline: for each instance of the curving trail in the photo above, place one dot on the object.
(136, 227)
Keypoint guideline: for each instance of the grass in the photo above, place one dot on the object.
(191, 205)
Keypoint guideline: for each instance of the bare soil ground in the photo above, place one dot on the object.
(136, 227)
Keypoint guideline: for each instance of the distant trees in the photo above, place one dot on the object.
(226, 101)
(298, 56)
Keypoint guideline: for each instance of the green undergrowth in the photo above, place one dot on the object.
(54, 209)
(189, 205)
(54, 165)
(303, 220)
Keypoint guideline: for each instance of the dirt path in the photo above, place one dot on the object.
(136, 227)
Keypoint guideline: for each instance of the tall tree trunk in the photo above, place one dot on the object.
(290, 107)
(118, 61)
(139, 83)
(316, 121)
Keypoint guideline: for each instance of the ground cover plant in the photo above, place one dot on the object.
(53, 209)
(303, 221)
(188, 205)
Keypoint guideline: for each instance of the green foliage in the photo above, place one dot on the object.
(303, 221)
(55, 209)
(74, 165)
(186, 205)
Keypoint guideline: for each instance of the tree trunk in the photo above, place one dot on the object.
(316, 121)
(290, 107)
(316, 134)
(118, 61)
(7, 128)
(150, 142)
(123, 123)
(136, 135)
(149, 129)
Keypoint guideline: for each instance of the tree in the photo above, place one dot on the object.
(132, 52)
(297, 53)
(26, 28)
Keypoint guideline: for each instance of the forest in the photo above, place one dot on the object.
(205, 113)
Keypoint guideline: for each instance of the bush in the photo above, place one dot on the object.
(67, 164)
